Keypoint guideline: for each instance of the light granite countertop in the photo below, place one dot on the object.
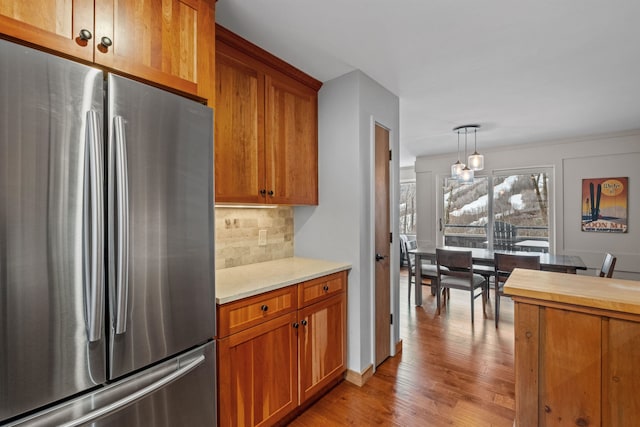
(248, 280)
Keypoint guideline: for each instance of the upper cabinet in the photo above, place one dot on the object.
(169, 43)
(266, 129)
(65, 26)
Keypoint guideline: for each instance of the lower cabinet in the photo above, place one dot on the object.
(575, 365)
(268, 369)
(321, 344)
(258, 374)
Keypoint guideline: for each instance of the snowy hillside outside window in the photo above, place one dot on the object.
(505, 211)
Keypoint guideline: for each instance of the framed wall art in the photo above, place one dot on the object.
(605, 204)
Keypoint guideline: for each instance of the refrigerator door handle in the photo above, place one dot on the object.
(128, 400)
(93, 229)
(122, 218)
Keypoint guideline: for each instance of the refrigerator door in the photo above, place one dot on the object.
(160, 208)
(179, 392)
(52, 342)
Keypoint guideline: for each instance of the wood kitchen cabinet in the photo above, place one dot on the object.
(577, 346)
(322, 344)
(280, 349)
(291, 149)
(168, 43)
(322, 336)
(266, 128)
(257, 374)
(257, 359)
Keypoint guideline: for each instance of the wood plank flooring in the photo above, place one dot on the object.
(449, 372)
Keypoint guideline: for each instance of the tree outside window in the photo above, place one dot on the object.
(408, 207)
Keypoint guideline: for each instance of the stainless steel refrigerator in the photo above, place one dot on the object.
(107, 307)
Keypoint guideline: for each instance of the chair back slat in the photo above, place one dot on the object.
(409, 245)
(459, 263)
(505, 263)
(608, 265)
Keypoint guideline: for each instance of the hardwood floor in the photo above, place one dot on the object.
(449, 372)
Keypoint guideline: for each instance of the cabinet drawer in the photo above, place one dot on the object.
(245, 313)
(323, 287)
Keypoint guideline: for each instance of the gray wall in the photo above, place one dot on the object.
(616, 155)
(341, 227)
(407, 173)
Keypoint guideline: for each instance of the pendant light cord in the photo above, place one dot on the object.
(475, 141)
(465, 143)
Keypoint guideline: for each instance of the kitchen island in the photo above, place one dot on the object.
(577, 346)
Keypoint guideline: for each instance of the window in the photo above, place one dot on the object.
(465, 213)
(508, 210)
(408, 207)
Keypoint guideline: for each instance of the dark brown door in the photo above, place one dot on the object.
(382, 246)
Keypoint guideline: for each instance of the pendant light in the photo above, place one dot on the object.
(466, 176)
(456, 168)
(476, 160)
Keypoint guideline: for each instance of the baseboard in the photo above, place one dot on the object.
(359, 379)
(398, 347)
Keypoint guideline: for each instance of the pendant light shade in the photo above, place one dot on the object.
(466, 176)
(476, 160)
(456, 169)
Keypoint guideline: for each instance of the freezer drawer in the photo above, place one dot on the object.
(179, 392)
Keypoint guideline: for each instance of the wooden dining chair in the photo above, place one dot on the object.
(455, 270)
(608, 264)
(429, 271)
(504, 265)
(403, 250)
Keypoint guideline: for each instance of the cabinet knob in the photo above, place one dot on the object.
(263, 192)
(325, 288)
(295, 325)
(85, 34)
(264, 307)
(106, 42)
(304, 322)
(271, 193)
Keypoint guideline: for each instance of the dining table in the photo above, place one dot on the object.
(481, 256)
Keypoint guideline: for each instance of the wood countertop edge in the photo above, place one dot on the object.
(579, 290)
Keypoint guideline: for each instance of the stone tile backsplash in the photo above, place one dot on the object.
(237, 235)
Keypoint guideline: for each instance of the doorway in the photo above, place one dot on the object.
(382, 246)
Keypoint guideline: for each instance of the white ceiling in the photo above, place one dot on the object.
(526, 71)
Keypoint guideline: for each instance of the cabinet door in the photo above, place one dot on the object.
(621, 373)
(291, 142)
(55, 25)
(170, 43)
(570, 360)
(239, 124)
(322, 344)
(257, 374)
